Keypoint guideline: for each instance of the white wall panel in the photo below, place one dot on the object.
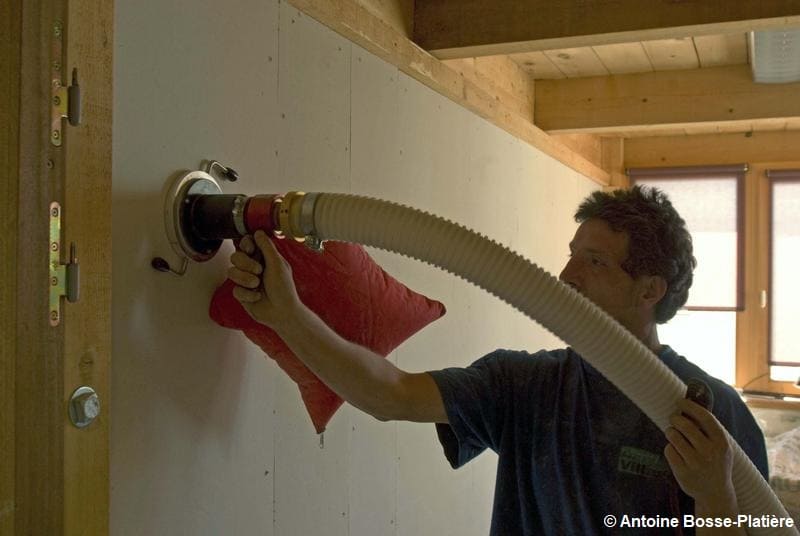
(208, 435)
(191, 438)
(311, 480)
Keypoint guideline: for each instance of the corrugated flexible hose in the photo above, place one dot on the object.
(596, 336)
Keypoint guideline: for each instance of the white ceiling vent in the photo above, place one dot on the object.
(775, 56)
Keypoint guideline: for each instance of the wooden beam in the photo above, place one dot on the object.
(613, 161)
(677, 99)
(511, 86)
(361, 26)
(779, 146)
(587, 145)
(468, 28)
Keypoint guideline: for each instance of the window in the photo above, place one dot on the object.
(784, 285)
(711, 201)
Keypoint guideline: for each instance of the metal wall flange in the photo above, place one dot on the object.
(84, 406)
(176, 222)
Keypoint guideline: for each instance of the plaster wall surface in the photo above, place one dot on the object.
(208, 436)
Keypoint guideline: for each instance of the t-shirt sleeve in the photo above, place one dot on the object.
(475, 400)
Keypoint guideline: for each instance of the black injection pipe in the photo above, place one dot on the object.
(206, 220)
(213, 217)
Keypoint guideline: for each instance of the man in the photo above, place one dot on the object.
(572, 448)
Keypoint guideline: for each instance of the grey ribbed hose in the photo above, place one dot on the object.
(596, 336)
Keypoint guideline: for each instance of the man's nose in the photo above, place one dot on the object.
(567, 275)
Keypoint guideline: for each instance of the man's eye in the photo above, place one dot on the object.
(597, 262)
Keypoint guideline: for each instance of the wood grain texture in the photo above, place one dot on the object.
(469, 28)
(40, 413)
(87, 213)
(577, 62)
(624, 58)
(10, 26)
(637, 102)
(724, 49)
(707, 149)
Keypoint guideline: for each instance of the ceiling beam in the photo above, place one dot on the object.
(780, 146)
(645, 102)
(469, 28)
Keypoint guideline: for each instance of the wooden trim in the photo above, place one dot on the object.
(752, 371)
(587, 145)
(613, 161)
(39, 427)
(469, 28)
(87, 217)
(10, 42)
(701, 149)
(792, 405)
(354, 22)
(505, 79)
(753, 324)
(631, 103)
(712, 308)
(771, 251)
(60, 473)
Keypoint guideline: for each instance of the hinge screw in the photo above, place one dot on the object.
(56, 135)
(54, 315)
(56, 100)
(54, 281)
(56, 66)
(54, 245)
(54, 213)
(57, 29)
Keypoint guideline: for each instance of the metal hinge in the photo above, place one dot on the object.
(64, 278)
(66, 101)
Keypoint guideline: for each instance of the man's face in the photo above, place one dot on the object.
(595, 270)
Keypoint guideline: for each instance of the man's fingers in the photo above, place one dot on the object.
(267, 247)
(247, 296)
(690, 431)
(676, 461)
(243, 279)
(704, 419)
(246, 244)
(244, 262)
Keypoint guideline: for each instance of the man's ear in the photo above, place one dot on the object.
(653, 289)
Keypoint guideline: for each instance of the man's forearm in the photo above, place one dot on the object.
(360, 376)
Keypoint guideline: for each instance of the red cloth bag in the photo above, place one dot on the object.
(352, 294)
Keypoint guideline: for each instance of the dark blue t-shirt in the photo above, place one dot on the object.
(571, 447)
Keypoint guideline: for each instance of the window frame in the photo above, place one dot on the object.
(773, 177)
(699, 173)
(752, 325)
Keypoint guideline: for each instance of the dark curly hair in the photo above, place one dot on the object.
(659, 242)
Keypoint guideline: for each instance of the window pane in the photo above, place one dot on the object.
(784, 374)
(706, 338)
(785, 292)
(709, 207)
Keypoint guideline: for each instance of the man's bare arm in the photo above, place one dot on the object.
(363, 378)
